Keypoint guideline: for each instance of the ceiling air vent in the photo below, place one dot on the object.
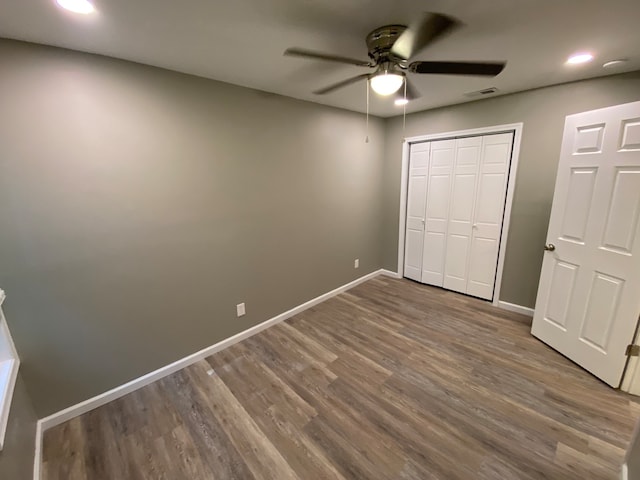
(481, 93)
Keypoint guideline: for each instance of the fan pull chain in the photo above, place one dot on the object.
(404, 108)
(366, 138)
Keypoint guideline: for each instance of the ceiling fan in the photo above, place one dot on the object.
(390, 48)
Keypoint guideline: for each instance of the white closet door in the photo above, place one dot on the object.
(489, 213)
(437, 212)
(461, 210)
(416, 199)
(453, 237)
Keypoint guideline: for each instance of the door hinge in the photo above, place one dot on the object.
(632, 351)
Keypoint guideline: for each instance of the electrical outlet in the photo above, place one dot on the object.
(356, 263)
(240, 311)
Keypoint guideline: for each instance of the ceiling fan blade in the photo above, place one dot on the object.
(412, 92)
(300, 52)
(341, 84)
(426, 30)
(489, 69)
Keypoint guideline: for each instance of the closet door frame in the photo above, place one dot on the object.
(516, 129)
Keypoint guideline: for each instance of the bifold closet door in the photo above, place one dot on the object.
(455, 208)
(416, 200)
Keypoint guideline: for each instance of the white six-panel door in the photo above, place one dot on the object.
(465, 183)
(589, 294)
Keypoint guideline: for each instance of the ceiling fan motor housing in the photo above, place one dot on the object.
(380, 41)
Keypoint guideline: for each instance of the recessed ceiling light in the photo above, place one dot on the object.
(76, 6)
(579, 58)
(615, 63)
(401, 101)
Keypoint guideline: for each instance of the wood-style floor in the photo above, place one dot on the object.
(392, 380)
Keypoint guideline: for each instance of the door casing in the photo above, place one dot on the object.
(516, 128)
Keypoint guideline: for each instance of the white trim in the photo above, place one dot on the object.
(472, 132)
(389, 273)
(512, 307)
(6, 397)
(631, 377)
(37, 456)
(9, 365)
(115, 393)
(511, 187)
(513, 169)
(624, 474)
(404, 187)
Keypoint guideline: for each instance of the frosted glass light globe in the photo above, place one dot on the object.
(386, 83)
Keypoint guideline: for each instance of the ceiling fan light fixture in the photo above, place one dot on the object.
(391, 49)
(77, 6)
(401, 101)
(386, 83)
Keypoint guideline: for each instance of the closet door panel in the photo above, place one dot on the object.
(489, 213)
(461, 211)
(437, 212)
(416, 203)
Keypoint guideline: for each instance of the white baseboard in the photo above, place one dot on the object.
(9, 365)
(389, 273)
(83, 407)
(8, 378)
(631, 378)
(99, 400)
(512, 307)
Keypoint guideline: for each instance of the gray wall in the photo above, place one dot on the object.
(16, 458)
(138, 206)
(543, 112)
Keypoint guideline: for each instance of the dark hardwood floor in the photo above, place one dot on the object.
(391, 380)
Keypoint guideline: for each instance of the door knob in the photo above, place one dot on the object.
(550, 247)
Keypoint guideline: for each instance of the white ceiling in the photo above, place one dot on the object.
(241, 41)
